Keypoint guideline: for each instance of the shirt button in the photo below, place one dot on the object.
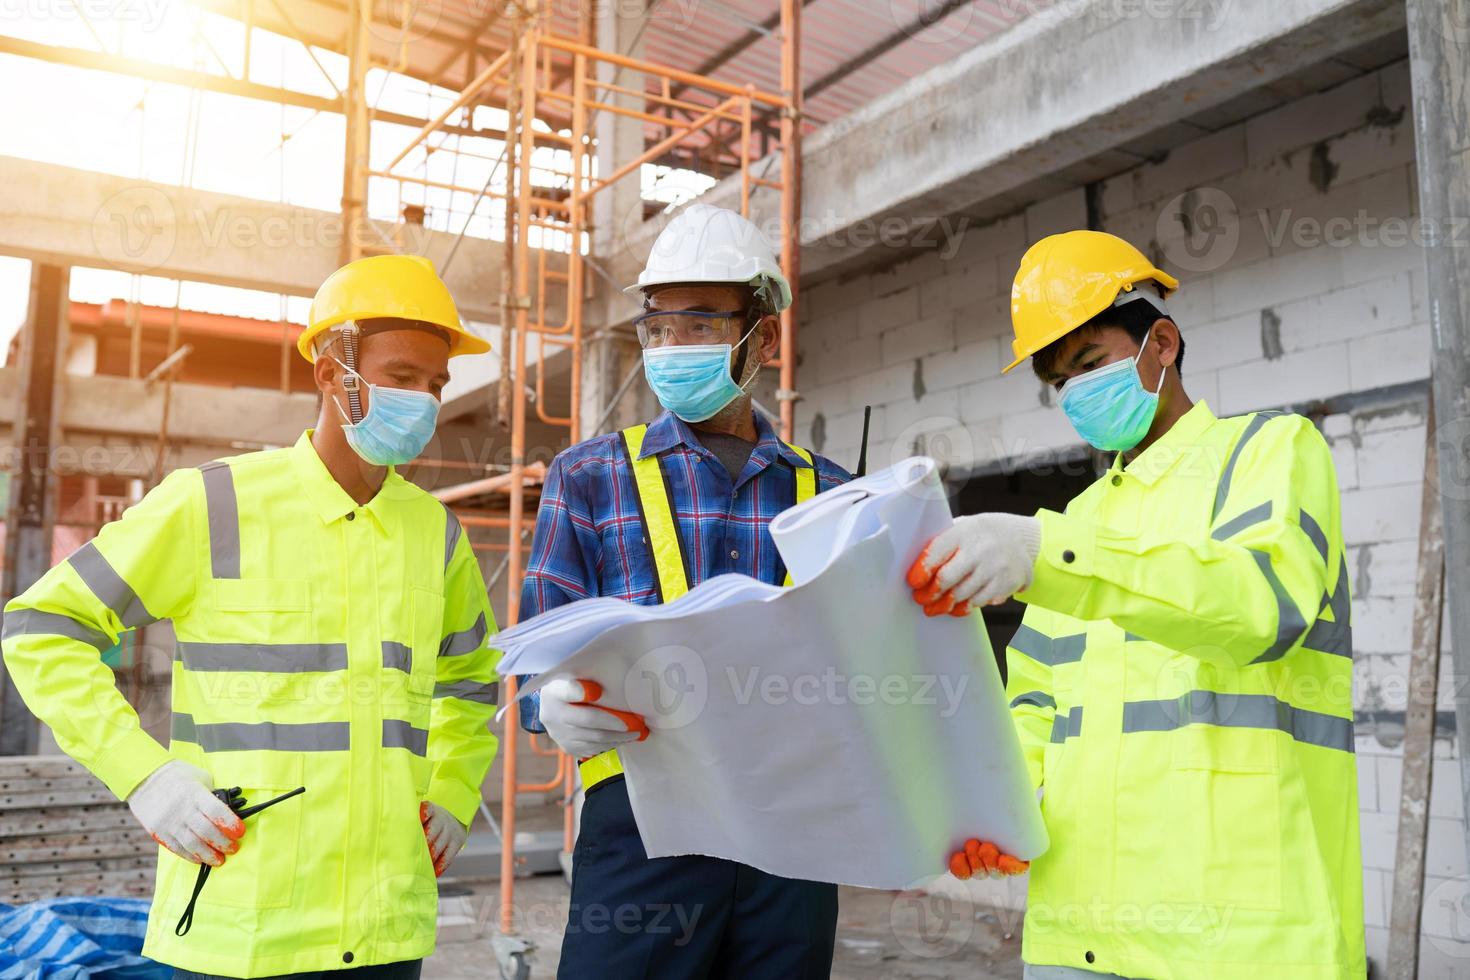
(734, 555)
(350, 516)
(1091, 956)
(1117, 480)
(1069, 556)
(347, 957)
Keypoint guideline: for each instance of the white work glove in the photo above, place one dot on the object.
(445, 835)
(983, 559)
(176, 807)
(581, 728)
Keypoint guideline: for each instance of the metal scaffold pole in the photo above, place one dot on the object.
(1439, 66)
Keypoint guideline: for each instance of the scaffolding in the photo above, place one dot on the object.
(547, 198)
(554, 84)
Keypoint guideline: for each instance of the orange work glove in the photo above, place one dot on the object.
(981, 560)
(444, 835)
(984, 858)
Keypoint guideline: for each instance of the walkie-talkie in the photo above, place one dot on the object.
(862, 466)
(236, 801)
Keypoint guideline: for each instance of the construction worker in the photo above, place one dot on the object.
(331, 628)
(1182, 679)
(644, 515)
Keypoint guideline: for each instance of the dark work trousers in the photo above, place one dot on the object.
(406, 970)
(684, 918)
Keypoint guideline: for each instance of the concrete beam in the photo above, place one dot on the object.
(65, 216)
(99, 410)
(109, 425)
(1064, 86)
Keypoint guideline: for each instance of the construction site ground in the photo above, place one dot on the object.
(880, 934)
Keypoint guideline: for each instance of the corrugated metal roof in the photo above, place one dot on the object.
(852, 50)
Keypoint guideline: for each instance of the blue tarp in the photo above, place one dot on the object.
(75, 939)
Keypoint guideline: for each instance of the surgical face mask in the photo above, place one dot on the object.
(398, 425)
(1109, 406)
(693, 381)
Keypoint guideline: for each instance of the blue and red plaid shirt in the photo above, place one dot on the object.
(590, 540)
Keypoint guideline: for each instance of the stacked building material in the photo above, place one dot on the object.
(63, 833)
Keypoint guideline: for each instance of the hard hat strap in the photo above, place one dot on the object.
(744, 358)
(350, 380)
(1138, 292)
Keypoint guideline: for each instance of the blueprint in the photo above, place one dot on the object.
(828, 731)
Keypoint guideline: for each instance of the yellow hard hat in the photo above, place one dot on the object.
(1066, 280)
(405, 287)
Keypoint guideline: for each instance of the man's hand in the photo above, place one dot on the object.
(444, 835)
(983, 560)
(584, 729)
(984, 858)
(176, 807)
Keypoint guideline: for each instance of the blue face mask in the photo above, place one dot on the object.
(1109, 406)
(398, 425)
(693, 381)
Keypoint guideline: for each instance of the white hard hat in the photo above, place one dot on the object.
(705, 244)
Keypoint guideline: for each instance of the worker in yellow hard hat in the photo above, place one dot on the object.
(1181, 681)
(331, 626)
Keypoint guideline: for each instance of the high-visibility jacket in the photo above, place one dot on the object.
(1182, 685)
(320, 643)
(669, 563)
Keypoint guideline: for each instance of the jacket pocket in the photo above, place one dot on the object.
(1227, 836)
(253, 611)
(262, 874)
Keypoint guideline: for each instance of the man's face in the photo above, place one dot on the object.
(411, 358)
(1087, 350)
(712, 298)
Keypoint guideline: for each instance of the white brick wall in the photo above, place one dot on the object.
(1325, 278)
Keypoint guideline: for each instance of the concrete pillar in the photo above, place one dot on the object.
(355, 153)
(1439, 67)
(31, 511)
(617, 213)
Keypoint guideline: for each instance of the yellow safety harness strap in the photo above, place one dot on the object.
(655, 507)
(806, 485)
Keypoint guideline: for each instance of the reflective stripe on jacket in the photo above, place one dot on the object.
(669, 559)
(1182, 684)
(319, 643)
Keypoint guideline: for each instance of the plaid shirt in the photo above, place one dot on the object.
(590, 540)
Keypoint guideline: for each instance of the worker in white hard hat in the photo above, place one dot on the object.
(331, 626)
(644, 515)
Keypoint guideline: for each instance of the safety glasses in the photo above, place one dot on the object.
(660, 328)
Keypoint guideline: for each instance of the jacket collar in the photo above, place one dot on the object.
(330, 501)
(1180, 441)
(668, 431)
